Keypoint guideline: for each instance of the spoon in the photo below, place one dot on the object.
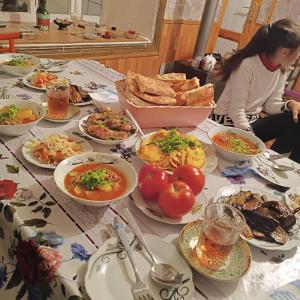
(278, 167)
(273, 157)
(161, 273)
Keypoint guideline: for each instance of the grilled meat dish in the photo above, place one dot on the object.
(268, 220)
(109, 126)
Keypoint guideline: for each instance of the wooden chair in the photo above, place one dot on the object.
(10, 37)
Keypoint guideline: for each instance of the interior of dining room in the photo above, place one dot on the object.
(149, 149)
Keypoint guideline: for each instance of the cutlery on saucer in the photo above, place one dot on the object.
(140, 290)
(161, 273)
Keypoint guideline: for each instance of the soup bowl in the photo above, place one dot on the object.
(231, 154)
(18, 70)
(113, 162)
(19, 129)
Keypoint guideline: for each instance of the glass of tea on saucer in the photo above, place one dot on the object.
(58, 101)
(221, 228)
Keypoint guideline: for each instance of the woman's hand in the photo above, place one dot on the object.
(294, 107)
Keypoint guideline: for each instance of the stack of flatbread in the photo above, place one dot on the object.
(168, 89)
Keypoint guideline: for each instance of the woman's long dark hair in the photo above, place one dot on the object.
(283, 33)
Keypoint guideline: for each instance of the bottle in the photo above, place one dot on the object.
(42, 15)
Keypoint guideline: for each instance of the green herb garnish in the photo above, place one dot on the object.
(95, 178)
(9, 113)
(175, 141)
(19, 62)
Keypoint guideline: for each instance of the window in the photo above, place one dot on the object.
(24, 10)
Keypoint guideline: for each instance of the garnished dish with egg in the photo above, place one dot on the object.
(13, 115)
(19, 62)
(169, 149)
(96, 181)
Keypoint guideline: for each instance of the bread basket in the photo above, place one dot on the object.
(163, 116)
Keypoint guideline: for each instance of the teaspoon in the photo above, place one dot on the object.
(283, 168)
(161, 273)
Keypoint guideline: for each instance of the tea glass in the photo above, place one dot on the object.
(222, 226)
(90, 29)
(58, 101)
(76, 18)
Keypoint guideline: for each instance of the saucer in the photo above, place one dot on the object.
(73, 111)
(238, 264)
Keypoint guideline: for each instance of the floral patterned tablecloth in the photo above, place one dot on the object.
(46, 238)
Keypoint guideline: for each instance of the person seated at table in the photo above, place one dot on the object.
(256, 77)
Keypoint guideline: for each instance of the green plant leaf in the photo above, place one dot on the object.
(47, 212)
(15, 279)
(21, 292)
(9, 213)
(2, 236)
(13, 169)
(38, 223)
(63, 289)
(75, 297)
(43, 196)
(18, 204)
(37, 209)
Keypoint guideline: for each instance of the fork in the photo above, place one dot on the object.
(140, 290)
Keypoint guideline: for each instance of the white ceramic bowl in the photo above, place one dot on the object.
(20, 129)
(233, 156)
(18, 70)
(95, 157)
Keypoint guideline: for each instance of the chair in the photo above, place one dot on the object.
(10, 37)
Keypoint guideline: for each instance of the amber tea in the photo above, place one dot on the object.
(221, 228)
(58, 102)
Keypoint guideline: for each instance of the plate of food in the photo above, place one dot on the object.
(40, 80)
(95, 179)
(169, 149)
(49, 150)
(18, 64)
(17, 116)
(272, 224)
(292, 198)
(107, 128)
(78, 96)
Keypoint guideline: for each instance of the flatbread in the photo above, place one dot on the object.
(186, 85)
(154, 86)
(172, 77)
(160, 100)
(201, 96)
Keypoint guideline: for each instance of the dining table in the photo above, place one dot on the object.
(68, 233)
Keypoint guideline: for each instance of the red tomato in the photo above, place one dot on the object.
(176, 199)
(191, 176)
(152, 180)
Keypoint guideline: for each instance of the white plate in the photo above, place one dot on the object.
(27, 82)
(100, 141)
(290, 197)
(95, 157)
(110, 273)
(286, 179)
(211, 160)
(294, 239)
(152, 210)
(26, 151)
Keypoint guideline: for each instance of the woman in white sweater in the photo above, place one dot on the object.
(256, 77)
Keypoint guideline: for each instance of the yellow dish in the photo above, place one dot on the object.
(12, 115)
(169, 149)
